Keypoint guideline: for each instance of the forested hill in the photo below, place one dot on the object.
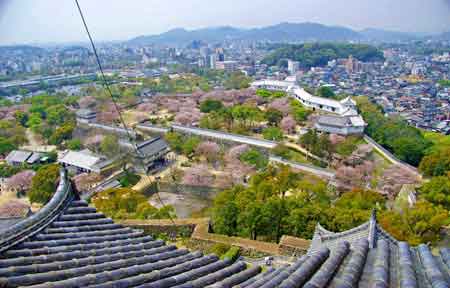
(318, 54)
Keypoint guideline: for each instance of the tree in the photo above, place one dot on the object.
(62, 133)
(190, 145)
(175, 141)
(288, 124)
(309, 139)
(323, 147)
(393, 180)
(273, 116)
(318, 54)
(6, 146)
(299, 112)
(281, 104)
(273, 133)
(264, 93)
(326, 92)
(419, 224)
(409, 150)
(74, 144)
(148, 107)
(44, 184)
(198, 175)
(125, 203)
(83, 182)
(35, 122)
(188, 116)
(210, 150)
(235, 152)
(349, 177)
(57, 114)
(404, 141)
(110, 146)
(254, 158)
(237, 80)
(210, 105)
(20, 182)
(437, 191)
(21, 117)
(436, 163)
(225, 212)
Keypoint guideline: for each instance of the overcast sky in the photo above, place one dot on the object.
(40, 21)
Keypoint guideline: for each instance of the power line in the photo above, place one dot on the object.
(106, 86)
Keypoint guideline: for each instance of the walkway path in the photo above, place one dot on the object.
(321, 172)
(303, 151)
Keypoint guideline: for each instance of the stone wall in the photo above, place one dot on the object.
(198, 229)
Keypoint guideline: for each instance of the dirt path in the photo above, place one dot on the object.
(35, 144)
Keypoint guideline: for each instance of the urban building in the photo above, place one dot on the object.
(342, 125)
(21, 157)
(228, 66)
(293, 67)
(352, 65)
(86, 116)
(150, 154)
(85, 161)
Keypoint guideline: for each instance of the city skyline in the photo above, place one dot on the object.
(117, 20)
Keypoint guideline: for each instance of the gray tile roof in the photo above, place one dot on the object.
(332, 120)
(83, 248)
(152, 146)
(18, 156)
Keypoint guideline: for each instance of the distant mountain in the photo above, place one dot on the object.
(21, 48)
(284, 32)
(183, 36)
(387, 36)
(444, 36)
(16, 50)
(301, 32)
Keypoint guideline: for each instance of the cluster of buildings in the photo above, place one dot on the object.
(341, 118)
(404, 84)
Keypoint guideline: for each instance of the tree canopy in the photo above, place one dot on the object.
(44, 184)
(125, 203)
(318, 54)
(404, 141)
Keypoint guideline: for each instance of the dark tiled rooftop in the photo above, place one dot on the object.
(80, 247)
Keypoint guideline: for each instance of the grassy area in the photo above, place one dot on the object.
(349, 145)
(290, 154)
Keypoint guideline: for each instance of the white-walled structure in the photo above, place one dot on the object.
(346, 122)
